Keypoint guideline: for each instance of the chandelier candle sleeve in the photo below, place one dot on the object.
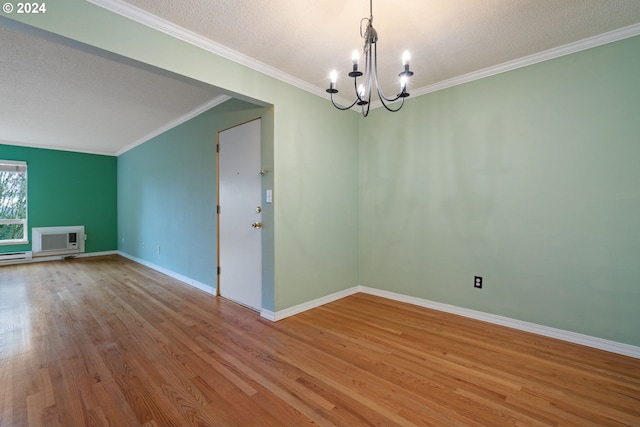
(403, 83)
(355, 59)
(333, 77)
(406, 56)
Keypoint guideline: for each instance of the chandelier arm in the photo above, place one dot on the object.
(391, 109)
(366, 104)
(384, 98)
(342, 108)
(378, 88)
(365, 112)
(355, 89)
(369, 68)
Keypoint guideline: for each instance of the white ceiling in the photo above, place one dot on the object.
(87, 101)
(447, 38)
(62, 95)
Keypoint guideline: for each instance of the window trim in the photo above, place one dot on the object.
(19, 167)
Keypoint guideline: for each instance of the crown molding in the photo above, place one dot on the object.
(169, 28)
(191, 114)
(557, 52)
(55, 147)
(145, 18)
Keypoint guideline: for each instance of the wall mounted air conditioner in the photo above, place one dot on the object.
(48, 241)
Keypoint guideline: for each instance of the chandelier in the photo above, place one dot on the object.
(370, 75)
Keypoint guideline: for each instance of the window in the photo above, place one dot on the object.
(13, 202)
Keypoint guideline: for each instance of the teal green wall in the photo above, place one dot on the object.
(66, 188)
(167, 194)
(530, 179)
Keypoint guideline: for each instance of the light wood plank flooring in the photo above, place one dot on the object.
(107, 342)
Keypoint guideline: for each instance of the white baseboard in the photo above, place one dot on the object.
(199, 285)
(59, 257)
(268, 314)
(573, 337)
(296, 309)
(576, 338)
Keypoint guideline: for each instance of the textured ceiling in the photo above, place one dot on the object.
(447, 38)
(61, 94)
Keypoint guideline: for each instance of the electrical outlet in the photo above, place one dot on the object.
(477, 282)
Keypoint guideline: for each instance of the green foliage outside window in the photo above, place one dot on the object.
(13, 204)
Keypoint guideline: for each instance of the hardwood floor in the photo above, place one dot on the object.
(107, 342)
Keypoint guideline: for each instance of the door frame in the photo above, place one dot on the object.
(218, 281)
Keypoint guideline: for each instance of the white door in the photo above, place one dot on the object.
(239, 229)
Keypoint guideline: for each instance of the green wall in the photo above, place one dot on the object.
(167, 194)
(66, 188)
(530, 179)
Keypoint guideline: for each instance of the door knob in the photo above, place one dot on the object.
(256, 225)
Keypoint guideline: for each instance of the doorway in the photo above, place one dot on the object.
(239, 214)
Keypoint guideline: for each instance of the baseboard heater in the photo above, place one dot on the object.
(49, 241)
(15, 257)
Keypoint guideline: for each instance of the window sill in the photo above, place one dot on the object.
(13, 242)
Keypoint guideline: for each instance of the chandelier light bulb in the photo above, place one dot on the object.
(333, 77)
(355, 57)
(403, 83)
(361, 91)
(406, 56)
